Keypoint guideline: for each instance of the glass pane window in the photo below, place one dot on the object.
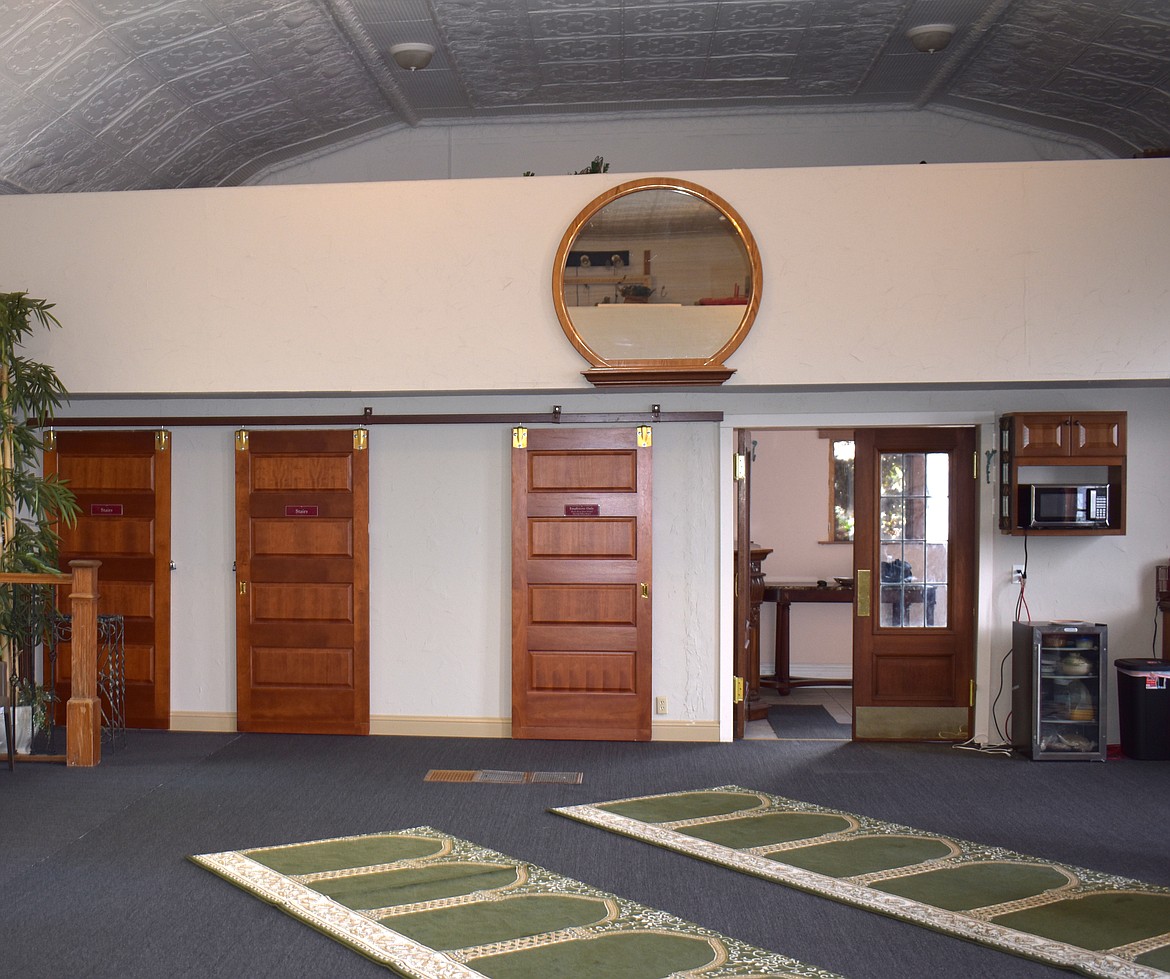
(841, 504)
(915, 536)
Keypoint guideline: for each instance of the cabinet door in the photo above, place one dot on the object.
(1041, 435)
(1098, 433)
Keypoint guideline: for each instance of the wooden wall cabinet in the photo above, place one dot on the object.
(1053, 447)
(1086, 435)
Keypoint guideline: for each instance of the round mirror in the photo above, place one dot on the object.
(657, 281)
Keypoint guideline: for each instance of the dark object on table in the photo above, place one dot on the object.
(897, 571)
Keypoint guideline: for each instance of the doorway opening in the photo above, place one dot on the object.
(800, 513)
(871, 594)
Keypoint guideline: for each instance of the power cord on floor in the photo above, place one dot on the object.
(984, 749)
(1004, 747)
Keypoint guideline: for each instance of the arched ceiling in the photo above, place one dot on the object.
(135, 94)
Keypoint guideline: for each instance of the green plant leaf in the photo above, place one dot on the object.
(31, 504)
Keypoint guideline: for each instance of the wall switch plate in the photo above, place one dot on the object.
(1017, 573)
(659, 705)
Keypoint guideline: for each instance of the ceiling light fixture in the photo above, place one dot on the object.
(930, 38)
(413, 55)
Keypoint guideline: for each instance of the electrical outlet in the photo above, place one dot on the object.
(1017, 573)
(660, 705)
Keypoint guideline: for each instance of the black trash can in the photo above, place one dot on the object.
(1143, 708)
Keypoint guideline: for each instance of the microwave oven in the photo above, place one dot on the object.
(1058, 505)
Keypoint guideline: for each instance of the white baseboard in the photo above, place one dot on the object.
(405, 725)
(401, 725)
(203, 720)
(685, 730)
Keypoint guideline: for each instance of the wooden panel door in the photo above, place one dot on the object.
(302, 582)
(581, 565)
(914, 565)
(122, 481)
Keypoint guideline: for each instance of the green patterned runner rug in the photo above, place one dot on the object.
(1092, 923)
(432, 906)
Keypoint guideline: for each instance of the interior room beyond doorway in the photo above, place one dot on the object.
(791, 509)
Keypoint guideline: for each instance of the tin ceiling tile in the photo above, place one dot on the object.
(117, 94)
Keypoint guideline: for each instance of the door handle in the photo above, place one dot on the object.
(645, 589)
(861, 590)
(243, 588)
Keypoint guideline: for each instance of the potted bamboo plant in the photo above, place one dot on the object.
(31, 504)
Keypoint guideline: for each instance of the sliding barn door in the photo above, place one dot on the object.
(122, 481)
(581, 608)
(302, 582)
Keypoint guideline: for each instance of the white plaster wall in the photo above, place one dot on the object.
(553, 146)
(440, 644)
(1033, 272)
(203, 542)
(440, 580)
(950, 273)
(1102, 579)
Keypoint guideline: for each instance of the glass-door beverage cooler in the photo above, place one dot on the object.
(1058, 690)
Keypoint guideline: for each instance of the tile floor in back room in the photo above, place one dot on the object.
(837, 700)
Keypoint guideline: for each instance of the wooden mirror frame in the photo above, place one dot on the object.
(665, 370)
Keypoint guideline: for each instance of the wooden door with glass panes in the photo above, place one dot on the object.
(914, 571)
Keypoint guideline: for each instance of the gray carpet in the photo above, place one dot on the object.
(96, 880)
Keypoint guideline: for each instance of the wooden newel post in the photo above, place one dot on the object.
(83, 712)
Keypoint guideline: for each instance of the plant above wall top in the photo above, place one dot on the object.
(30, 504)
(596, 165)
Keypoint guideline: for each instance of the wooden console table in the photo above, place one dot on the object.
(784, 593)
